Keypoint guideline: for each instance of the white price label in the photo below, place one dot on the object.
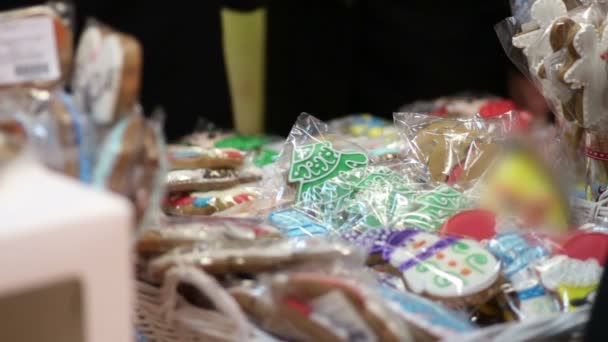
(28, 51)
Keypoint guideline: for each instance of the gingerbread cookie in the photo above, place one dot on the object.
(107, 77)
(193, 157)
(208, 179)
(44, 42)
(207, 203)
(586, 73)
(247, 258)
(329, 308)
(457, 272)
(13, 138)
(178, 233)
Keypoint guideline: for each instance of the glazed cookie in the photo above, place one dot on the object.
(45, 42)
(193, 157)
(329, 308)
(586, 73)
(207, 203)
(433, 208)
(107, 77)
(208, 179)
(457, 272)
(296, 223)
(575, 281)
(178, 233)
(313, 165)
(519, 256)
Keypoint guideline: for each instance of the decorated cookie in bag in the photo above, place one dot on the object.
(43, 42)
(457, 272)
(251, 258)
(312, 165)
(210, 179)
(587, 72)
(193, 157)
(296, 223)
(207, 203)
(520, 256)
(181, 232)
(574, 281)
(434, 208)
(533, 38)
(328, 308)
(431, 320)
(107, 77)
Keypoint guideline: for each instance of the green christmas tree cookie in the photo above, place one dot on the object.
(435, 207)
(313, 165)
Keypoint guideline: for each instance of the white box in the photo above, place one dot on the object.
(75, 241)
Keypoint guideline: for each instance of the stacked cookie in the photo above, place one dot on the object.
(203, 181)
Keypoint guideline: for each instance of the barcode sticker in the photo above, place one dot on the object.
(28, 50)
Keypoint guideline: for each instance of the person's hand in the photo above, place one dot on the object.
(526, 95)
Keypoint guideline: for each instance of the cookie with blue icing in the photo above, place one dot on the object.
(207, 203)
(183, 157)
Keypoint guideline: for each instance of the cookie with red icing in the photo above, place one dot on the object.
(207, 203)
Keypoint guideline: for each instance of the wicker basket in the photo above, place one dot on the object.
(586, 211)
(164, 316)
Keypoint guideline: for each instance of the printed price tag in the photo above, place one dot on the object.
(28, 51)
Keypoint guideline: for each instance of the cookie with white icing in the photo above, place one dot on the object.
(457, 272)
(193, 157)
(575, 281)
(107, 77)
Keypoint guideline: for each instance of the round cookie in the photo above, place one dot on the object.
(208, 179)
(207, 203)
(457, 272)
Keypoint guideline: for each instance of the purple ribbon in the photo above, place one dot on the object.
(394, 240)
(429, 252)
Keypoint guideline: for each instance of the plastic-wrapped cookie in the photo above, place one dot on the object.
(251, 258)
(194, 157)
(209, 179)
(107, 76)
(207, 203)
(44, 42)
(182, 232)
(329, 308)
(457, 272)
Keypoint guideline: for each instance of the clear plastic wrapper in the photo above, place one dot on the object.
(107, 75)
(459, 273)
(43, 36)
(562, 46)
(64, 138)
(209, 202)
(322, 305)
(174, 232)
(453, 150)
(250, 258)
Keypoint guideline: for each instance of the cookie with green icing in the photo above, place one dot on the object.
(313, 165)
(434, 208)
(457, 272)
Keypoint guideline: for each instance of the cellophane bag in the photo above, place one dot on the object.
(562, 45)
